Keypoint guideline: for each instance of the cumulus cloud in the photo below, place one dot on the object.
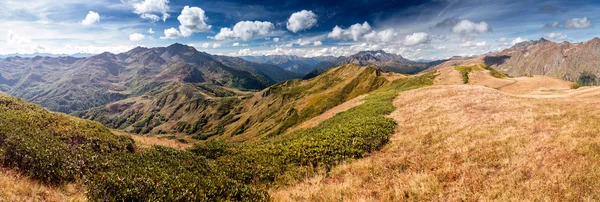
(317, 43)
(408, 52)
(502, 40)
(275, 39)
(578, 23)
(209, 45)
(12, 38)
(151, 17)
(236, 44)
(246, 30)
(470, 44)
(136, 37)
(518, 40)
(354, 32)
(557, 36)
(468, 27)
(41, 49)
(192, 19)
(301, 20)
(554, 25)
(416, 39)
(91, 18)
(381, 36)
(147, 9)
(150, 31)
(171, 33)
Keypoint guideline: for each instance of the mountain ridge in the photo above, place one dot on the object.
(68, 84)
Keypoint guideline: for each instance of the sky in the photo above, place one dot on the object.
(418, 30)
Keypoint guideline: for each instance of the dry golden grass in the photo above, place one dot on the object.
(146, 141)
(15, 187)
(472, 143)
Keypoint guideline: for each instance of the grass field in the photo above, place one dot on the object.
(472, 143)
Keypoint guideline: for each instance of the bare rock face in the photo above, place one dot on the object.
(542, 57)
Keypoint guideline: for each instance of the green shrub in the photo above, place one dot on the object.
(211, 171)
(52, 147)
(494, 72)
(587, 79)
(165, 174)
(348, 135)
(575, 86)
(464, 72)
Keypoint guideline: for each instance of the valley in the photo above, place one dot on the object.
(186, 125)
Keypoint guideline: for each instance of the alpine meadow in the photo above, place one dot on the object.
(179, 100)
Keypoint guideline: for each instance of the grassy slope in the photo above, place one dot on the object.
(16, 187)
(236, 116)
(272, 111)
(474, 143)
(348, 135)
(211, 171)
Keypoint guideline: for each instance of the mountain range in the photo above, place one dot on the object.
(315, 65)
(68, 84)
(563, 60)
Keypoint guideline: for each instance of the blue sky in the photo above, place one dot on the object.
(432, 29)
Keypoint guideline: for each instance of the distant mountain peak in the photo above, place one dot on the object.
(375, 52)
(178, 46)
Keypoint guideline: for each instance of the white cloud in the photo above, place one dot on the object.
(416, 39)
(275, 39)
(41, 49)
(136, 37)
(408, 52)
(151, 17)
(557, 36)
(216, 45)
(354, 32)
(578, 23)
(470, 44)
(12, 38)
(192, 19)
(336, 33)
(236, 44)
(317, 43)
(440, 48)
(301, 20)
(246, 30)
(147, 8)
(91, 18)
(502, 40)
(150, 31)
(518, 40)
(205, 45)
(171, 33)
(381, 36)
(468, 27)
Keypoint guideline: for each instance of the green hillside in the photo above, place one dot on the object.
(57, 148)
